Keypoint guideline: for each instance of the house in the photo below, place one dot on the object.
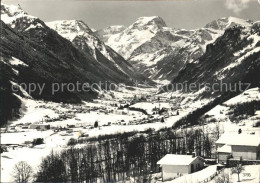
(238, 146)
(40, 126)
(175, 165)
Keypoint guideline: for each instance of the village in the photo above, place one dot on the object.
(48, 126)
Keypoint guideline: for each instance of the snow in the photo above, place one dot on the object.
(135, 35)
(150, 106)
(58, 140)
(31, 112)
(16, 72)
(214, 35)
(255, 39)
(148, 41)
(254, 177)
(15, 61)
(218, 111)
(10, 13)
(69, 29)
(21, 89)
(220, 115)
(239, 60)
(72, 29)
(131, 42)
(145, 20)
(196, 177)
(232, 20)
(176, 159)
(249, 175)
(32, 156)
(114, 28)
(33, 26)
(241, 55)
(228, 22)
(239, 139)
(247, 96)
(225, 149)
(21, 137)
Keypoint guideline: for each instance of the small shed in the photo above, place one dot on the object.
(175, 165)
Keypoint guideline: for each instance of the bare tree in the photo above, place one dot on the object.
(22, 172)
(237, 170)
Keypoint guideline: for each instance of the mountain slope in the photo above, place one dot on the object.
(26, 62)
(104, 34)
(38, 31)
(85, 40)
(232, 59)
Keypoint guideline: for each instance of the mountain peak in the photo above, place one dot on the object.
(70, 25)
(11, 15)
(70, 28)
(150, 21)
(227, 22)
(11, 10)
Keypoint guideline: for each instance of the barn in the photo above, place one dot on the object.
(238, 146)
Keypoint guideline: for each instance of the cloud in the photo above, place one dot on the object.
(236, 5)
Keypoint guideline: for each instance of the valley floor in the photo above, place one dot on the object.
(77, 121)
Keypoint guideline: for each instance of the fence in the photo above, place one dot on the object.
(212, 176)
(233, 162)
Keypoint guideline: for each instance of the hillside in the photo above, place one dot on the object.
(33, 53)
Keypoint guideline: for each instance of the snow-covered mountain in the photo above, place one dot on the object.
(81, 35)
(232, 59)
(85, 40)
(228, 22)
(161, 52)
(135, 35)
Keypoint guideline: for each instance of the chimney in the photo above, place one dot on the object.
(193, 154)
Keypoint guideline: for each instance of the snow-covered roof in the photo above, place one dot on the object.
(225, 149)
(177, 159)
(257, 113)
(239, 139)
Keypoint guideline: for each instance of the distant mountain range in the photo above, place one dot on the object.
(161, 52)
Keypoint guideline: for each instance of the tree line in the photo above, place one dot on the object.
(119, 157)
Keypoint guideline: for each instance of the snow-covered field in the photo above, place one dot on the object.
(32, 155)
(251, 174)
(16, 137)
(197, 176)
(220, 113)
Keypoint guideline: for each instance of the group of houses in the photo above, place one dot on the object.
(229, 146)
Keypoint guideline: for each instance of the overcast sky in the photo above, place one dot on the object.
(176, 13)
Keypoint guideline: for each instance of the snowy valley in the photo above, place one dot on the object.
(167, 97)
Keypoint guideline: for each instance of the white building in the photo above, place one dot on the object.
(174, 165)
(238, 146)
